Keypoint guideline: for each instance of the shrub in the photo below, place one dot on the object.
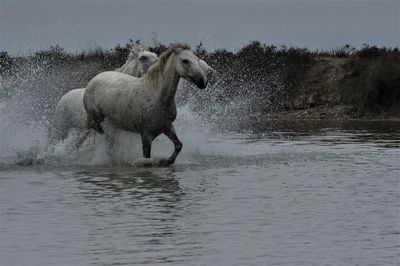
(257, 78)
(343, 51)
(384, 82)
(369, 52)
(54, 53)
(6, 62)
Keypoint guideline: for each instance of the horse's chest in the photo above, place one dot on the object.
(159, 118)
(168, 114)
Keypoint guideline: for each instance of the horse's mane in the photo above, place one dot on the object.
(157, 68)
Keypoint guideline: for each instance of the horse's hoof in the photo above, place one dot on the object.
(147, 164)
(165, 162)
(143, 162)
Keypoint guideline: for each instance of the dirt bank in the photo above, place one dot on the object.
(345, 88)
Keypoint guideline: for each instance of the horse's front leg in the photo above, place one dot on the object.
(171, 134)
(146, 145)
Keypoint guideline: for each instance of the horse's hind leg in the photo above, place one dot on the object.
(110, 135)
(94, 121)
(171, 134)
(82, 137)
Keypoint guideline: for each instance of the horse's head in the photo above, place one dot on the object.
(188, 66)
(140, 60)
(145, 59)
(209, 71)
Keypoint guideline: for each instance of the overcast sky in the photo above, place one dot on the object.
(77, 25)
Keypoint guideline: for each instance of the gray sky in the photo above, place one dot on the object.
(77, 25)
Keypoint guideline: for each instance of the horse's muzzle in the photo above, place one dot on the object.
(201, 83)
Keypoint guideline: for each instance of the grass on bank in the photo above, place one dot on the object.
(269, 75)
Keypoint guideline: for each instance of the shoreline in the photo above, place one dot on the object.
(324, 113)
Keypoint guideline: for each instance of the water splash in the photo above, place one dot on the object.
(29, 95)
(25, 141)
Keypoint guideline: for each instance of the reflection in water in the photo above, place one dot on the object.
(139, 207)
(136, 183)
(321, 196)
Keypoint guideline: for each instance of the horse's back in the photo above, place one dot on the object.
(118, 97)
(110, 79)
(69, 113)
(73, 97)
(105, 87)
(106, 83)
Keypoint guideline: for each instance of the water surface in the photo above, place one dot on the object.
(322, 195)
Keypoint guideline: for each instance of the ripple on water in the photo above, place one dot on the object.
(258, 199)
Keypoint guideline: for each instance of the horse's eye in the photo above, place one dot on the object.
(185, 61)
(143, 58)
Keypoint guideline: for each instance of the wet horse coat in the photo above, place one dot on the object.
(70, 112)
(144, 105)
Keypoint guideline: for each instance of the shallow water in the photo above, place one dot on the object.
(280, 195)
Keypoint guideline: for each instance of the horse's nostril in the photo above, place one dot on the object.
(201, 83)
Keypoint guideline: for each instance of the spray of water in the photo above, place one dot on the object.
(26, 142)
(26, 114)
(29, 95)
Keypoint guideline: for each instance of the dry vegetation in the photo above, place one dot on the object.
(258, 80)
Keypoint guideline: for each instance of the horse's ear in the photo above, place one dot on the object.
(179, 47)
(173, 49)
(177, 50)
(135, 49)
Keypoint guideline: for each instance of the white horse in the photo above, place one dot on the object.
(144, 105)
(70, 112)
(138, 62)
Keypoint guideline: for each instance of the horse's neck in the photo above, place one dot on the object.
(167, 84)
(130, 68)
